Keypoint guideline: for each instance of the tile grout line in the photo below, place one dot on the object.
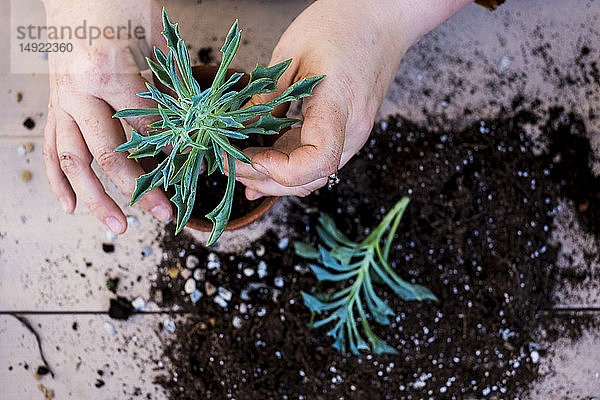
(182, 312)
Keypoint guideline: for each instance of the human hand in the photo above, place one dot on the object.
(86, 86)
(358, 46)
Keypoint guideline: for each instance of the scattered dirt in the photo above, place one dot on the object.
(120, 308)
(476, 233)
(108, 247)
(29, 123)
(205, 55)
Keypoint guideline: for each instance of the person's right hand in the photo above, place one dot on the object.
(86, 87)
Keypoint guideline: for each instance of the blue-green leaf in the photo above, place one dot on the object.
(160, 73)
(170, 30)
(253, 87)
(329, 225)
(324, 275)
(272, 73)
(231, 150)
(137, 112)
(232, 42)
(297, 90)
(220, 215)
(329, 261)
(306, 250)
(249, 113)
(343, 254)
(270, 125)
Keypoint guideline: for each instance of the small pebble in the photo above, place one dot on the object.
(261, 312)
(248, 271)
(260, 251)
(108, 247)
(504, 63)
(262, 269)
(213, 264)
(186, 273)
(191, 262)
(243, 308)
(221, 301)
(237, 322)
(199, 275)
(535, 357)
(209, 288)
(173, 272)
(169, 325)
(25, 148)
(132, 221)
(146, 251)
(139, 303)
(109, 328)
(196, 296)
(190, 286)
(283, 243)
(278, 281)
(213, 257)
(26, 176)
(224, 293)
(19, 97)
(111, 236)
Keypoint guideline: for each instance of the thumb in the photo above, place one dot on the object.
(313, 152)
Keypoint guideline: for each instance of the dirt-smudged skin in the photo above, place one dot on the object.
(476, 233)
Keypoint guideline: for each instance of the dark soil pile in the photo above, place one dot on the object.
(476, 233)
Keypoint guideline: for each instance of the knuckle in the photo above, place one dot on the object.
(48, 154)
(108, 160)
(71, 163)
(328, 167)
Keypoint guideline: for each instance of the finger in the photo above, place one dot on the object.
(253, 194)
(269, 187)
(58, 182)
(75, 160)
(102, 135)
(317, 151)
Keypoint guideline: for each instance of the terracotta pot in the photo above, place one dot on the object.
(204, 74)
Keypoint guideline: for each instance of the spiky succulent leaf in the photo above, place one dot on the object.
(199, 125)
(355, 282)
(272, 73)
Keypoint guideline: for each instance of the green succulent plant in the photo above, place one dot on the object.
(200, 123)
(354, 266)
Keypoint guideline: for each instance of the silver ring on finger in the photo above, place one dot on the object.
(332, 180)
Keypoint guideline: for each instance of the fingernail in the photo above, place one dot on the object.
(260, 168)
(114, 224)
(65, 204)
(162, 213)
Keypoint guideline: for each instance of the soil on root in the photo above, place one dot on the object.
(476, 233)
